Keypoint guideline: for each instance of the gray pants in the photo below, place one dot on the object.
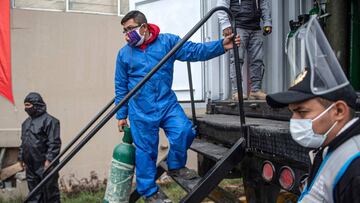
(251, 42)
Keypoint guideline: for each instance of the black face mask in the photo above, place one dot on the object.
(31, 111)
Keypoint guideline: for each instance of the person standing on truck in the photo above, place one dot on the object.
(247, 14)
(40, 144)
(155, 105)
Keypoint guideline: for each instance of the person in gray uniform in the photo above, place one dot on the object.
(327, 124)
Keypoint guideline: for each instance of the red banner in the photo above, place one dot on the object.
(5, 51)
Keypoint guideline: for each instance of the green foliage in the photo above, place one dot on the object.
(234, 186)
(171, 189)
(14, 200)
(84, 197)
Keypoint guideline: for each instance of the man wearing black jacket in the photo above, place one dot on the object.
(40, 136)
(327, 124)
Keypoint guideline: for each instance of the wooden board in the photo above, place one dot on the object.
(10, 171)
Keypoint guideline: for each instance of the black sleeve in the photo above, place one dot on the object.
(53, 142)
(348, 188)
(20, 155)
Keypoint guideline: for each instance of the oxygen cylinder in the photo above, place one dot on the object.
(121, 174)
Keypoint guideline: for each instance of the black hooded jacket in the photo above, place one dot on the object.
(40, 134)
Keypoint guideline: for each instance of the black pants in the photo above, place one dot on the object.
(50, 191)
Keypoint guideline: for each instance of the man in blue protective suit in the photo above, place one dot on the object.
(155, 104)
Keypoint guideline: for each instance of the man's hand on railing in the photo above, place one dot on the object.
(227, 31)
(228, 41)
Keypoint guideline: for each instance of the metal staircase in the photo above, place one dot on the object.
(198, 188)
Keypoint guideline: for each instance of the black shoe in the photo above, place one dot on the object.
(158, 197)
(184, 173)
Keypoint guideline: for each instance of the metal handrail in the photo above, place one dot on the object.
(79, 135)
(193, 113)
(113, 111)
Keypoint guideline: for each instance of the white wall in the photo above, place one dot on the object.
(69, 59)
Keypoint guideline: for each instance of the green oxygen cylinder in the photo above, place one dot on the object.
(121, 174)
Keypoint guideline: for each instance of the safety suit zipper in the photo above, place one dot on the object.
(156, 89)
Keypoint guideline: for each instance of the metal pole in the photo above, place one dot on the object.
(98, 115)
(2, 156)
(337, 31)
(238, 78)
(235, 154)
(191, 94)
(124, 100)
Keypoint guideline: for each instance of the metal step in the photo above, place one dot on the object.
(208, 149)
(252, 108)
(218, 195)
(213, 152)
(266, 137)
(217, 173)
(187, 185)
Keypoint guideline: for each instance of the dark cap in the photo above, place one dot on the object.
(301, 91)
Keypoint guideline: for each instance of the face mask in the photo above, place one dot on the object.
(302, 131)
(135, 38)
(31, 111)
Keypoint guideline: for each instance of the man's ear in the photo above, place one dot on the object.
(342, 110)
(146, 28)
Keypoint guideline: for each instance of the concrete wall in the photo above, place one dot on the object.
(69, 58)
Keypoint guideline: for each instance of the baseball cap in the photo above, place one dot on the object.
(301, 91)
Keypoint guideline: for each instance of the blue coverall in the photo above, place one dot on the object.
(155, 104)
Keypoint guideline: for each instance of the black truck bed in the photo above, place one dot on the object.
(267, 138)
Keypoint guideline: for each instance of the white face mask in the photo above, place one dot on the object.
(302, 131)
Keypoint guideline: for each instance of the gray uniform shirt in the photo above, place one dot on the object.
(264, 7)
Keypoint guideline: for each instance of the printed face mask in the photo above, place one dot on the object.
(302, 131)
(135, 38)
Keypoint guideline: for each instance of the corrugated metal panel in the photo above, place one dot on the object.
(276, 76)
